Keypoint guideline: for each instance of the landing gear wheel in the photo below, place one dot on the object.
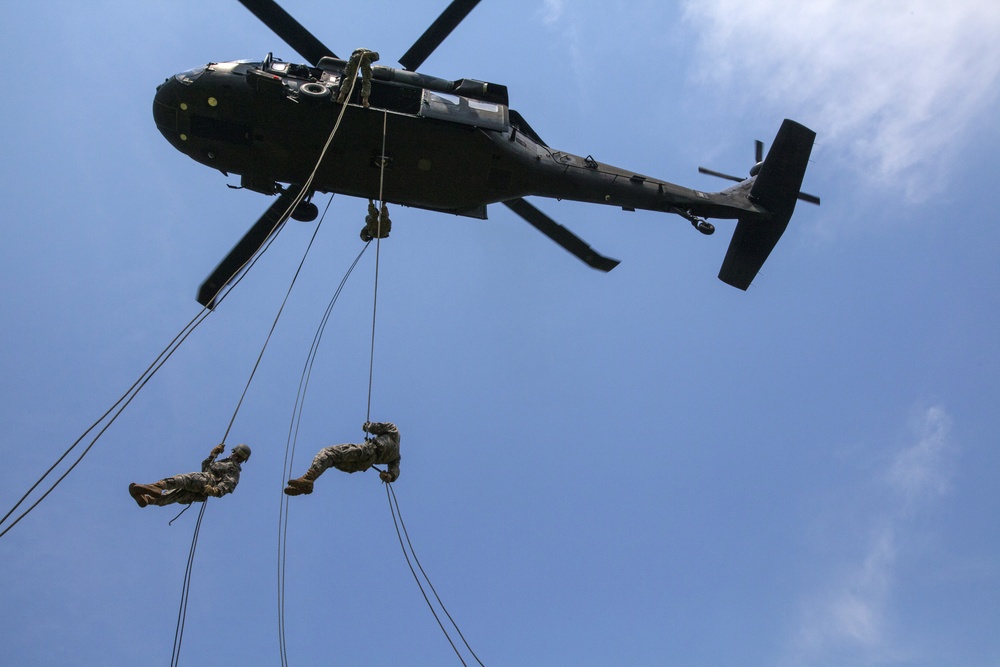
(305, 212)
(314, 90)
(704, 227)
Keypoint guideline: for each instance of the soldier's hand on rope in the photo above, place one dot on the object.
(385, 476)
(218, 449)
(366, 427)
(213, 491)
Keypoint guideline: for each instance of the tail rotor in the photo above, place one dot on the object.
(754, 170)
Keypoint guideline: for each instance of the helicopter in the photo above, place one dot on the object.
(453, 146)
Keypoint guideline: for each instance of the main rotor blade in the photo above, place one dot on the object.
(288, 29)
(247, 247)
(437, 33)
(567, 239)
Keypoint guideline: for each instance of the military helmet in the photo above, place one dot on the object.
(243, 451)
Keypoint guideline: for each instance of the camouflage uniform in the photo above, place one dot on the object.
(384, 449)
(363, 59)
(377, 223)
(189, 487)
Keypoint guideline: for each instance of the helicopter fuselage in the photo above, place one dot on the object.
(451, 146)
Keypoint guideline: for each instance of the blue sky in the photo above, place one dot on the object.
(643, 467)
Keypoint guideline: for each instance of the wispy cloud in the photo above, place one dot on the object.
(565, 26)
(850, 617)
(892, 86)
(847, 621)
(923, 470)
(552, 11)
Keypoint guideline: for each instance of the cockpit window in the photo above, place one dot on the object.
(229, 67)
(189, 77)
(464, 110)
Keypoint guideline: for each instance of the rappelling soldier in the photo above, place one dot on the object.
(377, 223)
(363, 59)
(384, 449)
(216, 479)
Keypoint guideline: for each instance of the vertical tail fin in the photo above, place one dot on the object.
(776, 190)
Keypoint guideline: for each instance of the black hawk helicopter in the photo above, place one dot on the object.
(454, 147)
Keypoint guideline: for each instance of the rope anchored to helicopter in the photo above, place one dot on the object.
(182, 612)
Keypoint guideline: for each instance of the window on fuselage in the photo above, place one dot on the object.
(463, 110)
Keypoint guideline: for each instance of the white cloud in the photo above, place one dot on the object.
(922, 471)
(552, 11)
(847, 622)
(566, 28)
(889, 86)
(848, 619)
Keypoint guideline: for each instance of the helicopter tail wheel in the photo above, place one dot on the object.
(704, 227)
(305, 212)
(316, 91)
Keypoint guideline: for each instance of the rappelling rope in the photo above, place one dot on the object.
(300, 399)
(378, 247)
(186, 589)
(179, 633)
(293, 431)
(182, 611)
(119, 406)
(296, 415)
(312, 176)
(110, 415)
(390, 494)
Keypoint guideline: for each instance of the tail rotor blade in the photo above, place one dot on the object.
(567, 239)
(247, 247)
(758, 151)
(719, 174)
(436, 33)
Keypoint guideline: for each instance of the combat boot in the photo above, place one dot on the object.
(303, 485)
(145, 494)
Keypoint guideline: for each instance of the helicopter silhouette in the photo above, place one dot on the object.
(448, 146)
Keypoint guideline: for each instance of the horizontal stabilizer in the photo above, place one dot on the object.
(776, 190)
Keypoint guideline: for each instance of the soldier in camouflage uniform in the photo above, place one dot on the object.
(216, 478)
(363, 59)
(384, 448)
(377, 223)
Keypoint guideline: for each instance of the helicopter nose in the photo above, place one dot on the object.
(166, 105)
